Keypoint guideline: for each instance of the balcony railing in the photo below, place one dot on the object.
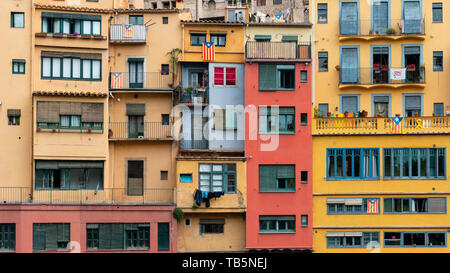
(127, 34)
(277, 50)
(140, 80)
(144, 131)
(193, 95)
(380, 74)
(195, 144)
(26, 195)
(373, 126)
(382, 27)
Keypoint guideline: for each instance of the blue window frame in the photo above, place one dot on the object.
(277, 224)
(438, 109)
(322, 13)
(353, 164)
(437, 12)
(352, 239)
(414, 163)
(415, 205)
(349, 72)
(412, 17)
(323, 61)
(349, 17)
(381, 16)
(415, 239)
(438, 61)
(350, 206)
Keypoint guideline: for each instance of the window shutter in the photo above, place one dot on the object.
(335, 201)
(117, 236)
(353, 202)
(286, 111)
(412, 102)
(437, 204)
(380, 99)
(163, 236)
(335, 234)
(105, 236)
(289, 38)
(63, 232)
(70, 108)
(135, 109)
(219, 119)
(349, 104)
(135, 186)
(267, 77)
(92, 112)
(412, 50)
(267, 178)
(13, 112)
(230, 119)
(47, 111)
(38, 237)
(285, 171)
(51, 232)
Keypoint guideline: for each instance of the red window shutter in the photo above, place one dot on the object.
(218, 75)
(231, 76)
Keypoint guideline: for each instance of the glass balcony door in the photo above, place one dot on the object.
(136, 74)
(412, 17)
(350, 65)
(380, 17)
(349, 18)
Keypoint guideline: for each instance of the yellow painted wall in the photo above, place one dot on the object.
(104, 4)
(233, 238)
(304, 34)
(233, 52)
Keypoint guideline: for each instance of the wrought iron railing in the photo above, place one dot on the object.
(277, 50)
(381, 74)
(382, 27)
(140, 80)
(146, 130)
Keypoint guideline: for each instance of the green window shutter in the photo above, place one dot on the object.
(51, 232)
(38, 237)
(267, 77)
(92, 112)
(163, 236)
(230, 119)
(286, 171)
(47, 111)
(263, 37)
(104, 236)
(13, 112)
(288, 38)
(117, 236)
(286, 111)
(135, 109)
(267, 178)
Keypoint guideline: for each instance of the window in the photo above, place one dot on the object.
(217, 178)
(381, 106)
(13, 116)
(66, 23)
(261, 3)
(353, 205)
(323, 61)
(225, 119)
(136, 20)
(164, 175)
(117, 236)
(68, 175)
(322, 10)
(71, 68)
(187, 222)
(163, 236)
(323, 109)
(412, 105)
(225, 76)
(304, 177)
(164, 69)
(263, 38)
(276, 120)
(69, 115)
(277, 2)
(186, 177)
(212, 226)
(165, 119)
(437, 12)
(51, 236)
(415, 205)
(135, 113)
(276, 178)
(304, 220)
(276, 224)
(438, 61)
(276, 77)
(17, 19)
(7, 237)
(359, 239)
(18, 66)
(349, 103)
(303, 119)
(438, 109)
(165, 20)
(361, 163)
(198, 39)
(415, 239)
(219, 40)
(303, 76)
(414, 163)
(135, 176)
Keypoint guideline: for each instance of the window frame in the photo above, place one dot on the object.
(61, 72)
(142, 231)
(401, 240)
(410, 205)
(58, 226)
(362, 244)
(13, 19)
(197, 39)
(322, 7)
(51, 21)
(293, 189)
(19, 63)
(361, 165)
(277, 219)
(324, 59)
(211, 35)
(225, 68)
(436, 56)
(268, 129)
(8, 237)
(225, 172)
(437, 6)
(345, 208)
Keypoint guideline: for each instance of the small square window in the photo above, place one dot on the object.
(303, 119)
(322, 13)
(323, 61)
(277, 2)
(18, 66)
(304, 177)
(13, 120)
(303, 76)
(165, 20)
(304, 220)
(13, 116)
(17, 19)
(187, 222)
(198, 39)
(438, 61)
(165, 119)
(437, 12)
(186, 177)
(164, 69)
(164, 175)
(323, 109)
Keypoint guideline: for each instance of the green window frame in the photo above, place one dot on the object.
(163, 236)
(67, 23)
(69, 68)
(276, 77)
(18, 66)
(136, 20)
(277, 224)
(352, 239)
(17, 19)
(217, 177)
(364, 164)
(51, 236)
(70, 121)
(117, 236)
(336, 206)
(322, 13)
(7, 237)
(277, 178)
(212, 226)
(414, 163)
(276, 120)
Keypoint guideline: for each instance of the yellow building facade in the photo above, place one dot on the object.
(379, 133)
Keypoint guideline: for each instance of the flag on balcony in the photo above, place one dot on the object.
(372, 205)
(397, 127)
(127, 31)
(209, 51)
(116, 80)
(398, 74)
(278, 18)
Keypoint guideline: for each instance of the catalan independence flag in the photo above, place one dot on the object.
(372, 205)
(127, 31)
(209, 53)
(397, 127)
(278, 18)
(116, 80)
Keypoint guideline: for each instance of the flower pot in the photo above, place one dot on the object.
(98, 37)
(416, 114)
(328, 114)
(86, 36)
(345, 114)
(38, 129)
(58, 35)
(397, 115)
(41, 35)
(89, 130)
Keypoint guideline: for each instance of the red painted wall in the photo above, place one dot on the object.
(25, 215)
(292, 149)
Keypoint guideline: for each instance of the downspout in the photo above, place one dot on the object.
(33, 44)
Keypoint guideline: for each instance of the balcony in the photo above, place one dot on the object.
(381, 29)
(277, 50)
(140, 80)
(141, 132)
(127, 34)
(194, 145)
(110, 196)
(193, 95)
(380, 126)
(382, 76)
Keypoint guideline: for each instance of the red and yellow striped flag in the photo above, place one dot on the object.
(209, 53)
(372, 205)
(127, 31)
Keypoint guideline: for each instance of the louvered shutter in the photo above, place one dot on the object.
(267, 76)
(267, 178)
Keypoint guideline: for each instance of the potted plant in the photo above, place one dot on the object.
(58, 35)
(345, 114)
(328, 114)
(390, 31)
(110, 133)
(98, 37)
(365, 113)
(377, 32)
(337, 67)
(416, 114)
(422, 67)
(38, 129)
(85, 36)
(73, 35)
(41, 34)
(89, 130)
(434, 114)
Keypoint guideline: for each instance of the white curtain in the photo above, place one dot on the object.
(87, 27)
(96, 28)
(44, 25)
(75, 121)
(56, 67)
(96, 69)
(374, 164)
(65, 121)
(46, 62)
(78, 26)
(66, 68)
(76, 68)
(86, 69)
(66, 26)
(56, 26)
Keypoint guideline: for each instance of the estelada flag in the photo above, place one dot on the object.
(116, 80)
(397, 127)
(372, 205)
(127, 31)
(209, 53)
(278, 18)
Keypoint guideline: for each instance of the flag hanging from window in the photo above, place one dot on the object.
(278, 18)
(209, 51)
(372, 205)
(127, 31)
(116, 80)
(397, 127)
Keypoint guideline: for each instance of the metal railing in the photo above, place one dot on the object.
(381, 75)
(145, 131)
(127, 33)
(140, 80)
(382, 27)
(277, 50)
(195, 144)
(194, 95)
(28, 195)
(371, 125)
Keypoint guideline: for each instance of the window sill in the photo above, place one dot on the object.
(269, 232)
(60, 130)
(107, 250)
(71, 79)
(414, 178)
(277, 133)
(353, 179)
(70, 36)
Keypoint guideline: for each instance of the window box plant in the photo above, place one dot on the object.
(337, 67)
(86, 36)
(390, 31)
(58, 35)
(41, 34)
